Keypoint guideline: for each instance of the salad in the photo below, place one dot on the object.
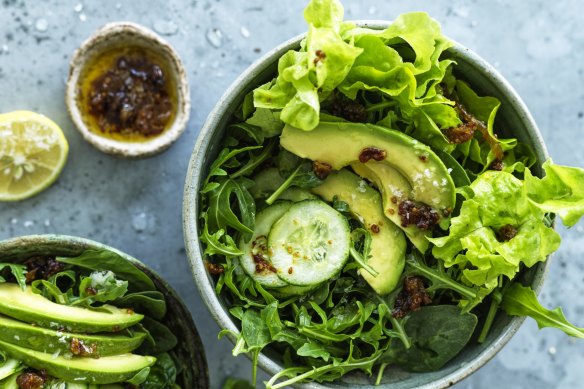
(366, 210)
(90, 321)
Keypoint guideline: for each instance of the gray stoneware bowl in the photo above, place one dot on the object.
(189, 350)
(513, 117)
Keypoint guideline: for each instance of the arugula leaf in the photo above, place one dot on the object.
(218, 243)
(433, 345)
(221, 215)
(103, 260)
(519, 300)
(225, 156)
(18, 271)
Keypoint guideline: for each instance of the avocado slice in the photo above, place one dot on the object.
(393, 187)
(341, 143)
(388, 245)
(104, 370)
(52, 341)
(36, 309)
(10, 382)
(9, 367)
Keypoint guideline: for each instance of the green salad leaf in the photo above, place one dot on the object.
(162, 374)
(519, 300)
(561, 191)
(17, 271)
(237, 383)
(497, 201)
(433, 345)
(106, 260)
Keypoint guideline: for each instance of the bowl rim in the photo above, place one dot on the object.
(196, 169)
(98, 42)
(200, 363)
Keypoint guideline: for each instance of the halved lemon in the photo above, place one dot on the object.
(33, 151)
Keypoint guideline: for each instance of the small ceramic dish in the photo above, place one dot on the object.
(107, 42)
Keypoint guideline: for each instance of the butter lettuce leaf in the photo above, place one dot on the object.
(561, 191)
(495, 200)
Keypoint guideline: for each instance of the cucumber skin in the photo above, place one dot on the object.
(267, 216)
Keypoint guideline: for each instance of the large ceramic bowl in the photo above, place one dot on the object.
(178, 319)
(513, 117)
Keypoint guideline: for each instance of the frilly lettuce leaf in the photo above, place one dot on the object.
(324, 13)
(561, 191)
(495, 199)
(321, 65)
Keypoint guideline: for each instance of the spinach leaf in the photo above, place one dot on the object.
(519, 300)
(152, 303)
(438, 334)
(159, 337)
(100, 260)
(162, 373)
(256, 334)
(18, 271)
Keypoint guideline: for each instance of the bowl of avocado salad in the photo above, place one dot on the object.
(372, 204)
(76, 314)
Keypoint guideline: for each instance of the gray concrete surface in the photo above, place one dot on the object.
(136, 205)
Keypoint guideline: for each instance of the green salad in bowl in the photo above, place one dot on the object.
(75, 314)
(363, 212)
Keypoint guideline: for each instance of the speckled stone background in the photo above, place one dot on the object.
(136, 205)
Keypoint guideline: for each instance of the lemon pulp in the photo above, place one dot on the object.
(33, 151)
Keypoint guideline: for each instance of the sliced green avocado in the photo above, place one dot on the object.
(36, 309)
(9, 367)
(341, 143)
(52, 341)
(104, 370)
(388, 245)
(393, 187)
(10, 382)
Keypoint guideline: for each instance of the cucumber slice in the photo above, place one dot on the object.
(258, 246)
(292, 290)
(297, 194)
(310, 243)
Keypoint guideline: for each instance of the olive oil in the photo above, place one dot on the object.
(108, 61)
